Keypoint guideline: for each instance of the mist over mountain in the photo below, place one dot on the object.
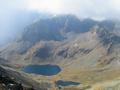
(15, 23)
(61, 28)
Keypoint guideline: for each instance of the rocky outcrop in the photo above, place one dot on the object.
(9, 80)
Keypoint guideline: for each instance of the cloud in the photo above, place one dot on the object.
(93, 8)
(82, 8)
(13, 16)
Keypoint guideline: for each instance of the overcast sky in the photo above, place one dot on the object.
(98, 9)
(82, 8)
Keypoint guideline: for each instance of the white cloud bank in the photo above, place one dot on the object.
(82, 8)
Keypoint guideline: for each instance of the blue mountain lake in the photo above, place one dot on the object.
(46, 70)
(66, 83)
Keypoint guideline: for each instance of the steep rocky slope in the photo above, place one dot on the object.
(11, 79)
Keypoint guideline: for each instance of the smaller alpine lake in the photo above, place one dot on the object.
(66, 83)
(46, 70)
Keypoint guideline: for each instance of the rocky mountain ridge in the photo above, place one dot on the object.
(86, 50)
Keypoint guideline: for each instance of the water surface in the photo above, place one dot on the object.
(46, 70)
(66, 83)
